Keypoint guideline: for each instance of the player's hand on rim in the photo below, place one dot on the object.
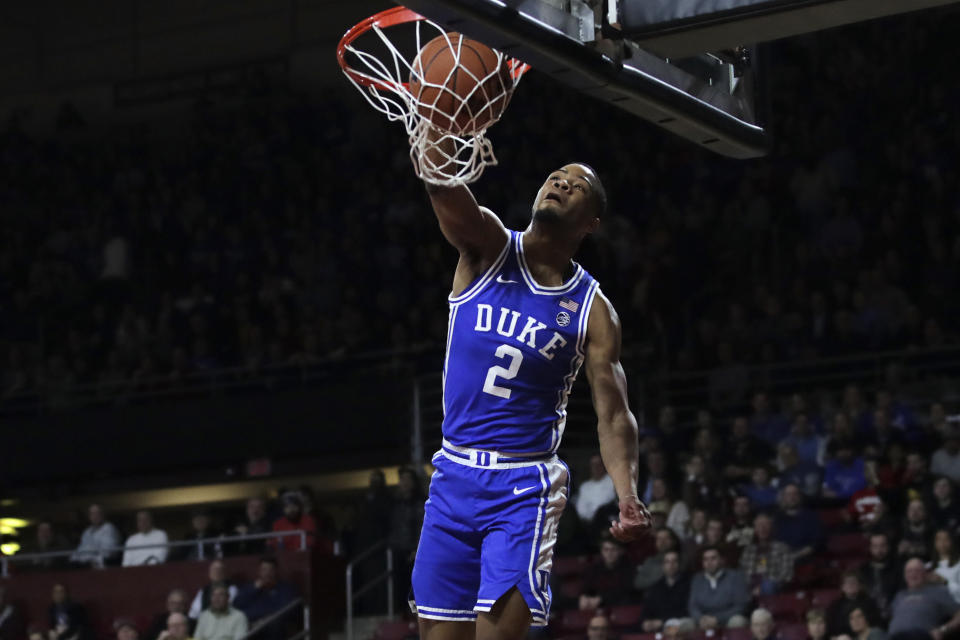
(634, 520)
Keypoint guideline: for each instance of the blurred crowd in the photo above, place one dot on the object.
(283, 229)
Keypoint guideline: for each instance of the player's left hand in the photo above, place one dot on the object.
(634, 520)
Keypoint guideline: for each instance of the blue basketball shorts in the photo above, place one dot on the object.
(490, 524)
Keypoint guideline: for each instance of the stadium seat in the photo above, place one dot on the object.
(627, 615)
(847, 544)
(792, 632)
(396, 630)
(570, 565)
(574, 621)
(787, 607)
(832, 518)
(823, 598)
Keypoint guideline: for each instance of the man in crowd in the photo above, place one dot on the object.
(761, 625)
(852, 597)
(217, 575)
(651, 569)
(923, 607)
(668, 597)
(255, 521)
(598, 627)
(202, 528)
(146, 535)
(595, 491)
(609, 581)
(176, 603)
(718, 596)
(768, 564)
(946, 459)
(880, 575)
(97, 541)
(126, 629)
(294, 519)
(266, 595)
(221, 621)
(178, 628)
(795, 526)
(45, 541)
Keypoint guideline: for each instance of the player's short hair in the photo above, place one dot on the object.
(598, 191)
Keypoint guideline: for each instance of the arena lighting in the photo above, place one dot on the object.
(16, 523)
(7, 530)
(9, 548)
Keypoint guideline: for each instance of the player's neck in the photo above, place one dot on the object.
(547, 250)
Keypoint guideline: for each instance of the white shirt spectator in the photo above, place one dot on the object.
(945, 462)
(951, 574)
(595, 492)
(196, 607)
(96, 539)
(155, 555)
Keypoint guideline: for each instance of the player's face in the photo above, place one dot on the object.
(568, 196)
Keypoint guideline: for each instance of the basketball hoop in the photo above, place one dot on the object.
(380, 71)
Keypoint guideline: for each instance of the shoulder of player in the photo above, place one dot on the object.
(603, 325)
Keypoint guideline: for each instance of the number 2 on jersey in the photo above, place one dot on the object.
(507, 373)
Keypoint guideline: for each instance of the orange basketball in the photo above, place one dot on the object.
(460, 85)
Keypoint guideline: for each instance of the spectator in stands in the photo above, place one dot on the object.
(767, 564)
(762, 493)
(609, 581)
(176, 603)
(946, 561)
(146, 535)
(67, 619)
(764, 423)
(761, 624)
(255, 521)
(946, 460)
(668, 597)
(294, 519)
(599, 627)
(201, 525)
(651, 569)
(11, 623)
(743, 452)
(656, 469)
(594, 491)
(702, 486)
(676, 514)
(923, 607)
(916, 481)
(714, 536)
(221, 621)
(880, 575)
(406, 519)
(718, 596)
(843, 474)
(807, 444)
(863, 627)
(45, 541)
(816, 625)
(265, 596)
(178, 628)
(217, 575)
(795, 526)
(863, 504)
(852, 596)
(98, 540)
(944, 508)
(916, 532)
(806, 475)
(126, 629)
(741, 524)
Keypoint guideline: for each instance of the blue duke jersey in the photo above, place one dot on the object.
(513, 351)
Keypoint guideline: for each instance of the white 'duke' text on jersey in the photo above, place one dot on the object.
(507, 326)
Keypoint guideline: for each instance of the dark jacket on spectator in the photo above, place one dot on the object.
(258, 602)
(663, 601)
(614, 586)
(881, 583)
(838, 613)
(799, 530)
(73, 616)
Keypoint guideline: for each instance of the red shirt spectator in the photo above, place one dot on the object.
(294, 520)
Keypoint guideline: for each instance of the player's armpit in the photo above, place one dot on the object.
(475, 231)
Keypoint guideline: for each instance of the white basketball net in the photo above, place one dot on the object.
(457, 153)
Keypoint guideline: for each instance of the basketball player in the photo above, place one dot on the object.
(523, 318)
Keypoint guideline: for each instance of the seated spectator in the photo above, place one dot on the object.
(67, 619)
(695, 532)
(217, 575)
(816, 625)
(946, 460)
(718, 596)
(201, 528)
(176, 603)
(862, 505)
(703, 487)
(761, 625)
(852, 597)
(599, 627)
(609, 581)
(294, 519)
(595, 491)
(255, 521)
(99, 540)
(765, 424)
(713, 536)
(656, 469)
(741, 526)
(221, 621)
(843, 474)
(795, 526)
(923, 607)
(916, 531)
(45, 541)
(916, 481)
(126, 629)
(880, 575)
(944, 508)
(264, 596)
(863, 627)
(11, 623)
(146, 535)
(676, 512)
(178, 628)
(767, 564)
(668, 597)
(806, 443)
(946, 561)
(762, 493)
(744, 451)
(651, 569)
(805, 474)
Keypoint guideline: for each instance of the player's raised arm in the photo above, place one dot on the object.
(616, 425)
(475, 231)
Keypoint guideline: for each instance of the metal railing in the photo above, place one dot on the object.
(262, 623)
(373, 582)
(97, 558)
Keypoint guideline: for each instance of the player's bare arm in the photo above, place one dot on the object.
(616, 424)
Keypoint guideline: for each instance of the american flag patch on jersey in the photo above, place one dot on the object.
(569, 304)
